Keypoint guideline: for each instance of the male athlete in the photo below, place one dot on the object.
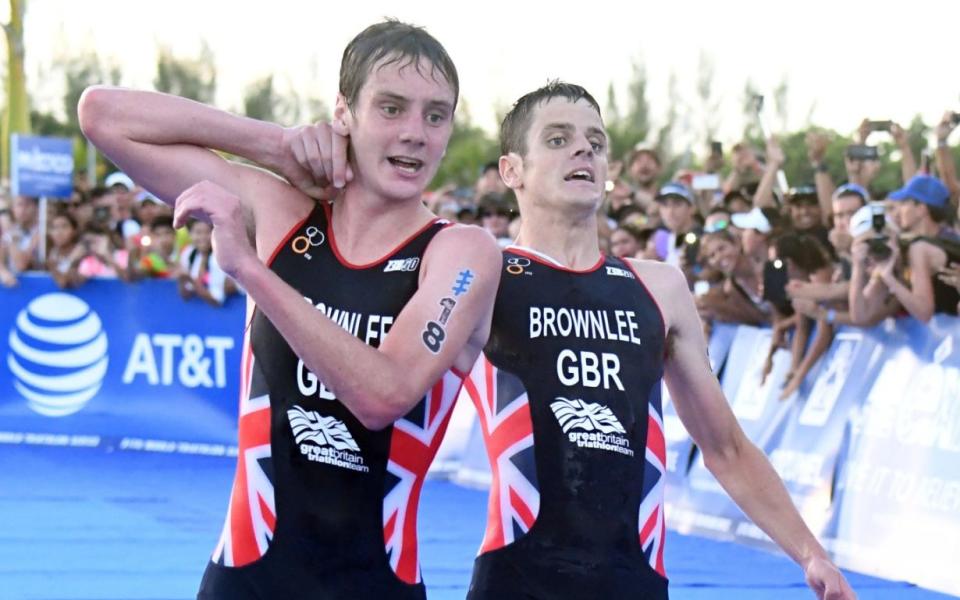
(568, 389)
(338, 421)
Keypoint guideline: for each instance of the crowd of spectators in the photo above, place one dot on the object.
(112, 231)
(802, 259)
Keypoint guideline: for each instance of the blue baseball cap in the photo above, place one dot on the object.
(923, 188)
(675, 189)
(848, 189)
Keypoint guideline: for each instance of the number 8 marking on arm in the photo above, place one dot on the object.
(433, 336)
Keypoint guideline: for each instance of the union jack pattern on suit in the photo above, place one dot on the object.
(504, 412)
(652, 523)
(251, 516)
(416, 438)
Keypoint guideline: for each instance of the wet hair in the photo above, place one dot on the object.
(514, 128)
(388, 43)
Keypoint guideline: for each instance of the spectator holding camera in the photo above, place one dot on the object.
(496, 211)
(678, 213)
(944, 157)
(921, 212)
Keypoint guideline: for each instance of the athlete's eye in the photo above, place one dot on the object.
(556, 141)
(436, 118)
(390, 110)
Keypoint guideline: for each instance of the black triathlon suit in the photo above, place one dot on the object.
(568, 397)
(321, 507)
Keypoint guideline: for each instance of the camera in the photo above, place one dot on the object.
(877, 247)
(955, 119)
(862, 152)
(775, 279)
(880, 125)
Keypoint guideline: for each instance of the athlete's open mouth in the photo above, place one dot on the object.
(580, 175)
(409, 165)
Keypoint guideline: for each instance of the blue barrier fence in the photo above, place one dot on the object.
(869, 448)
(118, 366)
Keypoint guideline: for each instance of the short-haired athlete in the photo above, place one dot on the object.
(338, 420)
(568, 389)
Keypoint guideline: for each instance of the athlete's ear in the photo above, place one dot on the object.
(511, 170)
(342, 116)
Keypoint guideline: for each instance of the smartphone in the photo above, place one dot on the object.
(775, 285)
(716, 148)
(881, 125)
(691, 248)
(862, 152)
(101, 214)
(706, 181)
(955, 118)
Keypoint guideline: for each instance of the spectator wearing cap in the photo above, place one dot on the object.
(806, 215)
(747, 168)
(756, 228)
(643, 169)
(922, 207)
(845, 201)
(21, 240)
(678, 214)
(496, 211)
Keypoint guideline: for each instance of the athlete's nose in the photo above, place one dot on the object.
(413, 130)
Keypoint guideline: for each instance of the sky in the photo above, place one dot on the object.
(843, 60)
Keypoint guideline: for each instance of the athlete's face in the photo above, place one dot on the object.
(566, 160)
(399, 128)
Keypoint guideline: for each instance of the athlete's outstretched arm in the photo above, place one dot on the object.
(740, 467)
(163, 142)
(444, 324)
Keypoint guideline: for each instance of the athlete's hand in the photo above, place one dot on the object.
(826, 581)
(210, 203)
(319, 158)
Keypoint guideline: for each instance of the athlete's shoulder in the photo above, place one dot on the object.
(664, 281)
(466, 241)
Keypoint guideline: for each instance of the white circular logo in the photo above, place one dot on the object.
(58, 354)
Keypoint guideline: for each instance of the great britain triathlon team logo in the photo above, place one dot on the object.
(591, 425)
(311, 238)
(58, 354)
(325, 440)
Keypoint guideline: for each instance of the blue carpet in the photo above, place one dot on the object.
(85, 524)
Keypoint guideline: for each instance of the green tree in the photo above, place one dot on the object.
(627, 129)
(470, 147)
(17, 117)
(191, 78)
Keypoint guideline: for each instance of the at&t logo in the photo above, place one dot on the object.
(58, 354)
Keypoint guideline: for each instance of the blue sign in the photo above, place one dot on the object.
(117, 365)
(41, 166)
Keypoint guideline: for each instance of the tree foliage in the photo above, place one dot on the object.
(194, 78)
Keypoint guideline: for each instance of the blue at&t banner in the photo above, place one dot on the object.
(41, 166)
(119, 366)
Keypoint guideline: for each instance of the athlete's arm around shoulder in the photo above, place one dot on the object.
(444, 324)
(163, 142)
(739, 466)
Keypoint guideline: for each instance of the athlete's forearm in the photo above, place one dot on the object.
(751, 481)
(366, 381)
(110, 116)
